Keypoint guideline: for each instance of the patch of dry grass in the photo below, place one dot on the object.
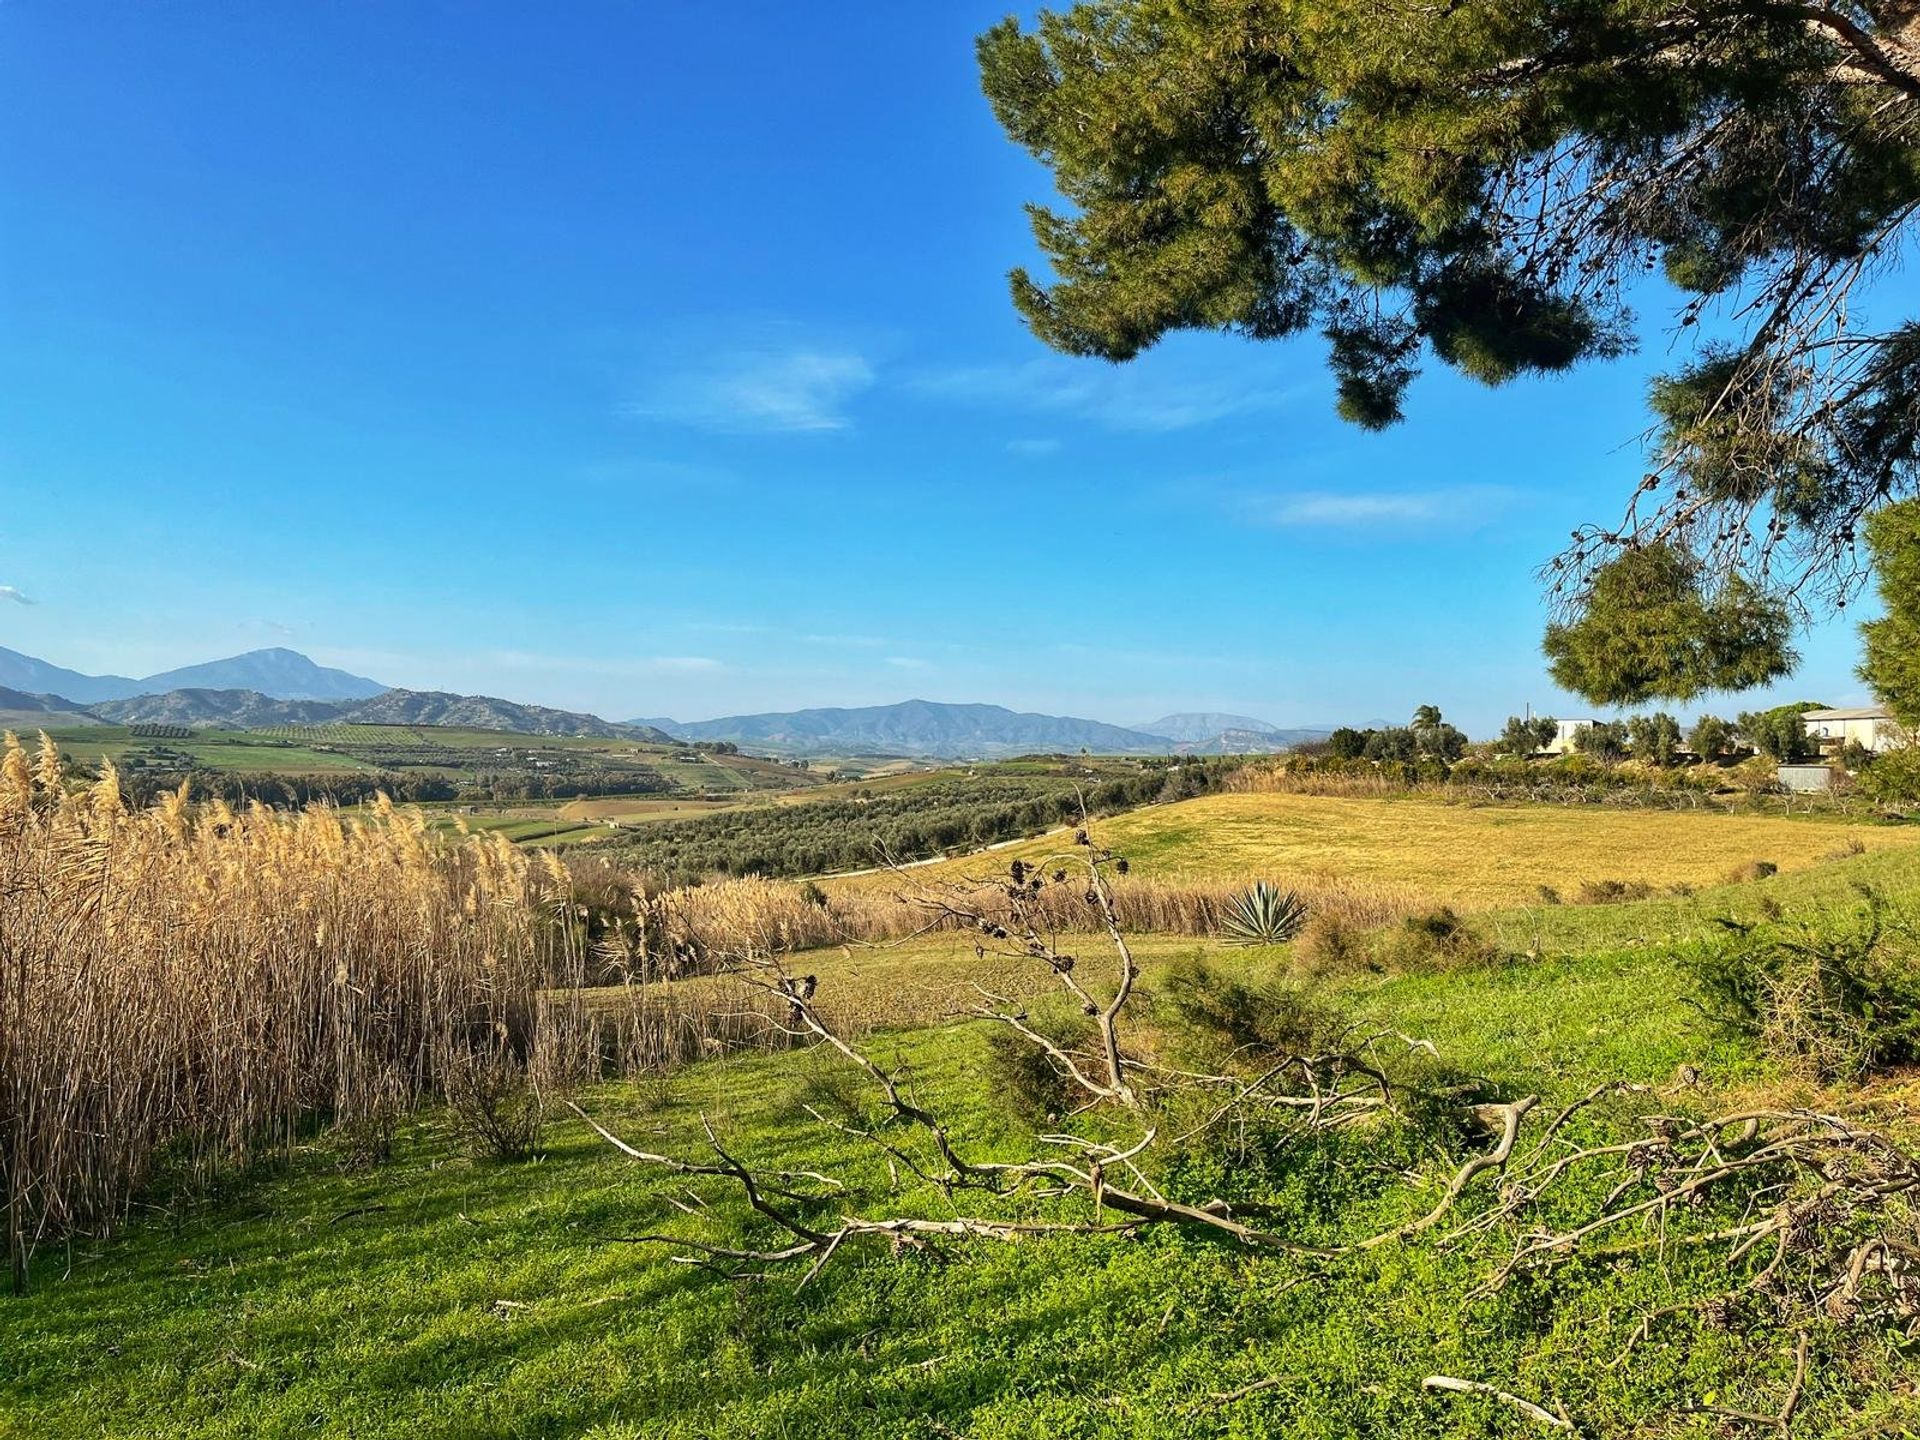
(897, 985)
(1429, 852)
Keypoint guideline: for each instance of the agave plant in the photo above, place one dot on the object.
(1263, 914)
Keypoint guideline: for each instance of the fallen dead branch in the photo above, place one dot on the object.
(1480, 1387)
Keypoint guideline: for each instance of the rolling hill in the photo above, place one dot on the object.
(19, 709)
(216, 709)
(486, 712)
(927, 729)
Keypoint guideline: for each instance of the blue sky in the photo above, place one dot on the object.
(657, 360)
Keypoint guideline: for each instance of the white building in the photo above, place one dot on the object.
(1564, 733)
(1872, 726)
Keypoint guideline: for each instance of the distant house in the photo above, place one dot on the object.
(1807, 778)
(1871, 726)
(1565, 733)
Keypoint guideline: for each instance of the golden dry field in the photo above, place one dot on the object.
(1472, 857)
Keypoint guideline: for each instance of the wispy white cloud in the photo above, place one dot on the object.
(908, 662)
(16, 595)
(1451, 506)
(1132, 397)
(796, 390)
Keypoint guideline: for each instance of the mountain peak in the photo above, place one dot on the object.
(275, 672)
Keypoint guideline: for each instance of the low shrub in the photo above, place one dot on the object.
(1893, 778)
(1034, 1085)
(1611, 892)
(1751, 870)
(1331, 944)
(1838, 997)
(497, 1109)
(1437, 939)
(1757, 776)
(1218, 1018)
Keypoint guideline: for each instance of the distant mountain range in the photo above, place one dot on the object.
(284, 687)
(282, 674)
(929, 728)
(268, 687)
(1203, 725)
(247, 709)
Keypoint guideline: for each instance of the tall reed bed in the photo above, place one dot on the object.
(189, 987)
(690, 930)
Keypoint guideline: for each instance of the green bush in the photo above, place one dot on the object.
(1219, 1017)
(1031, 1082)
(1839, 997)
(1435, 940)
(1893, 778)
(1604, 740)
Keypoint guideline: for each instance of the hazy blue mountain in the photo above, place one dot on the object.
(923, 728)
(1203, 725)
(19, 710)
(660, 723)
(246, 709)
(1253, 742)
(282, 674)
(37, 677)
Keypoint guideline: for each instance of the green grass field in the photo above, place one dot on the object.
(242, 752)
(441, 1296)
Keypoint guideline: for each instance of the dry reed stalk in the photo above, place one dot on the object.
(200, 985)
